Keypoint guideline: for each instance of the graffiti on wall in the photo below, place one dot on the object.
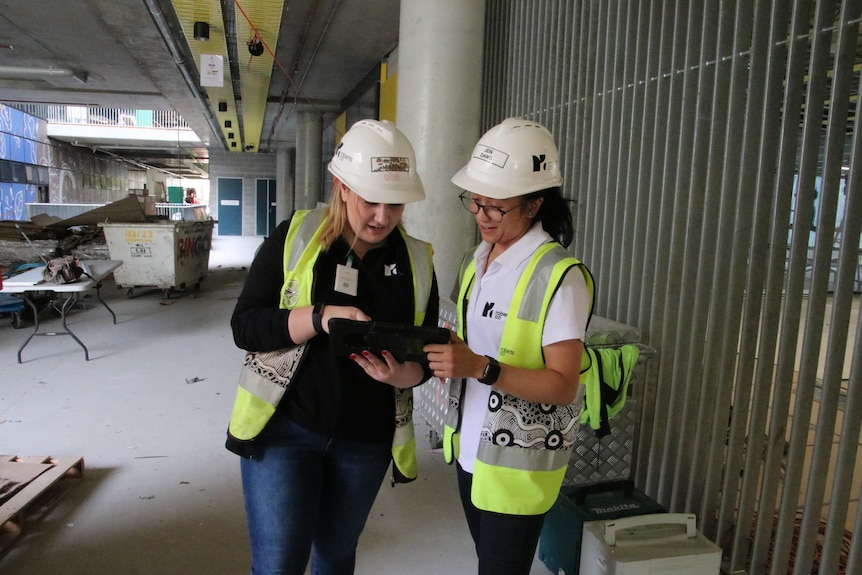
(74, 175)
(22, 138)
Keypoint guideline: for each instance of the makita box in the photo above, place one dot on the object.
(561, 538)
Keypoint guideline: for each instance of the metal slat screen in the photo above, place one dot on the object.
(709, 153)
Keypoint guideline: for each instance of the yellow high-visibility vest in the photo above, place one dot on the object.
(519, 471)
(254, 407)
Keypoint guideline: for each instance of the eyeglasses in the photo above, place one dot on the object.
(493, 213)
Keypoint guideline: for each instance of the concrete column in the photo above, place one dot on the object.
(439, 102)
(309, 149)
(284, 202)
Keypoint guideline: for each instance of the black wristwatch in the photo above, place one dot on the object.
(317, 317)
(491, 373)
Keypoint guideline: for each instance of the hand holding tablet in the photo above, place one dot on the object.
(403, 341)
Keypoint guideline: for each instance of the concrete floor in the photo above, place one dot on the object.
(160, 495)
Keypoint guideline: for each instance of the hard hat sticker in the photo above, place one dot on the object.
(491, 156)
(390, 164)
(342, 155)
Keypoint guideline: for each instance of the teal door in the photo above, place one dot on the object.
(265, 202)
(230, 206)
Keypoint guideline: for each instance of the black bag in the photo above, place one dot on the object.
(61, 270)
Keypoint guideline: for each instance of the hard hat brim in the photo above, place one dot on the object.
(411, 192)
(467, 179)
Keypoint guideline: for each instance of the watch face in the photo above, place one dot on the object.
(491, 373)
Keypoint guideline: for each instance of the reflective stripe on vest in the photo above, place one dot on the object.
(256, 399)
(517, 472)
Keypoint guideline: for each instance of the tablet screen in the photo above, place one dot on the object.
(404, 342)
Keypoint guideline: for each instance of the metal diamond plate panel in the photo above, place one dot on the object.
(608, 458)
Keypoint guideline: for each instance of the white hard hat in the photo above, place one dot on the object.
(514, 158)
(375, 160)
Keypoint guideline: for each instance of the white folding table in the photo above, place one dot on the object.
(27, 284)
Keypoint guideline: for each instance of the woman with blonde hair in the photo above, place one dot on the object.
(314, 456)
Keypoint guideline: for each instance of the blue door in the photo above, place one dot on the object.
(230, 206)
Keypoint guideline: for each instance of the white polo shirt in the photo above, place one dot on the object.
(486, 315)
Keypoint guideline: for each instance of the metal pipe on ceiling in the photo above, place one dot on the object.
(182, 64)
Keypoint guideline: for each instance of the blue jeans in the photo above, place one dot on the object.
(306, 491)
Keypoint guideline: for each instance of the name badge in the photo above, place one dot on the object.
(346, 279)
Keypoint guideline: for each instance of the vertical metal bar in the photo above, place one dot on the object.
(670, 215)
(636, 197)
(556, 54)
(834, 362)
(738, 199)
(491, 87)
(530, 61)
(549, 79)
(852, 420)
(623, 160)
(516, 48)
(602, 200)
(815, 100)
(693, 291)
(569, 101)
(613, 260)
(773, 385)
(598, 23)
(583, 134)
(645, 276)
(529, 49)
(561, 99)
(763, 312)
(681, 253)
(658, 238)
(854, 558)
(850, 431)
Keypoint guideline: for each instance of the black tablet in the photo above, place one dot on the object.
(404, 342)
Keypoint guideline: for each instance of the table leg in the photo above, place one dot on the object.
(99, 297)
(67, 305)
(35, 324)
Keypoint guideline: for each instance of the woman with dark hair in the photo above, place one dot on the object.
(515, 363)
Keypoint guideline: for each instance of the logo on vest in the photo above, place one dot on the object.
(291, 294)
(488, 311)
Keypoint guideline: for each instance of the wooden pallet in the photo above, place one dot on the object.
(37, 497)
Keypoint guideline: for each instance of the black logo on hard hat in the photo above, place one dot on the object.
(539, 163)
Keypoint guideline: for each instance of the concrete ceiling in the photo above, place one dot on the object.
(141, 54)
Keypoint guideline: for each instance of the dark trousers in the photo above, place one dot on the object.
(505, 544)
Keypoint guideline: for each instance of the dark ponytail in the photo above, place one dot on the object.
(555, 215)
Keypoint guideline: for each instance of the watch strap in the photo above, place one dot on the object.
(317, 317)
(491, 373)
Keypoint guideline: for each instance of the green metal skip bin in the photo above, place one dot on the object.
(165, 255)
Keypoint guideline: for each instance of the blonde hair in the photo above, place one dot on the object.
(336, 216)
